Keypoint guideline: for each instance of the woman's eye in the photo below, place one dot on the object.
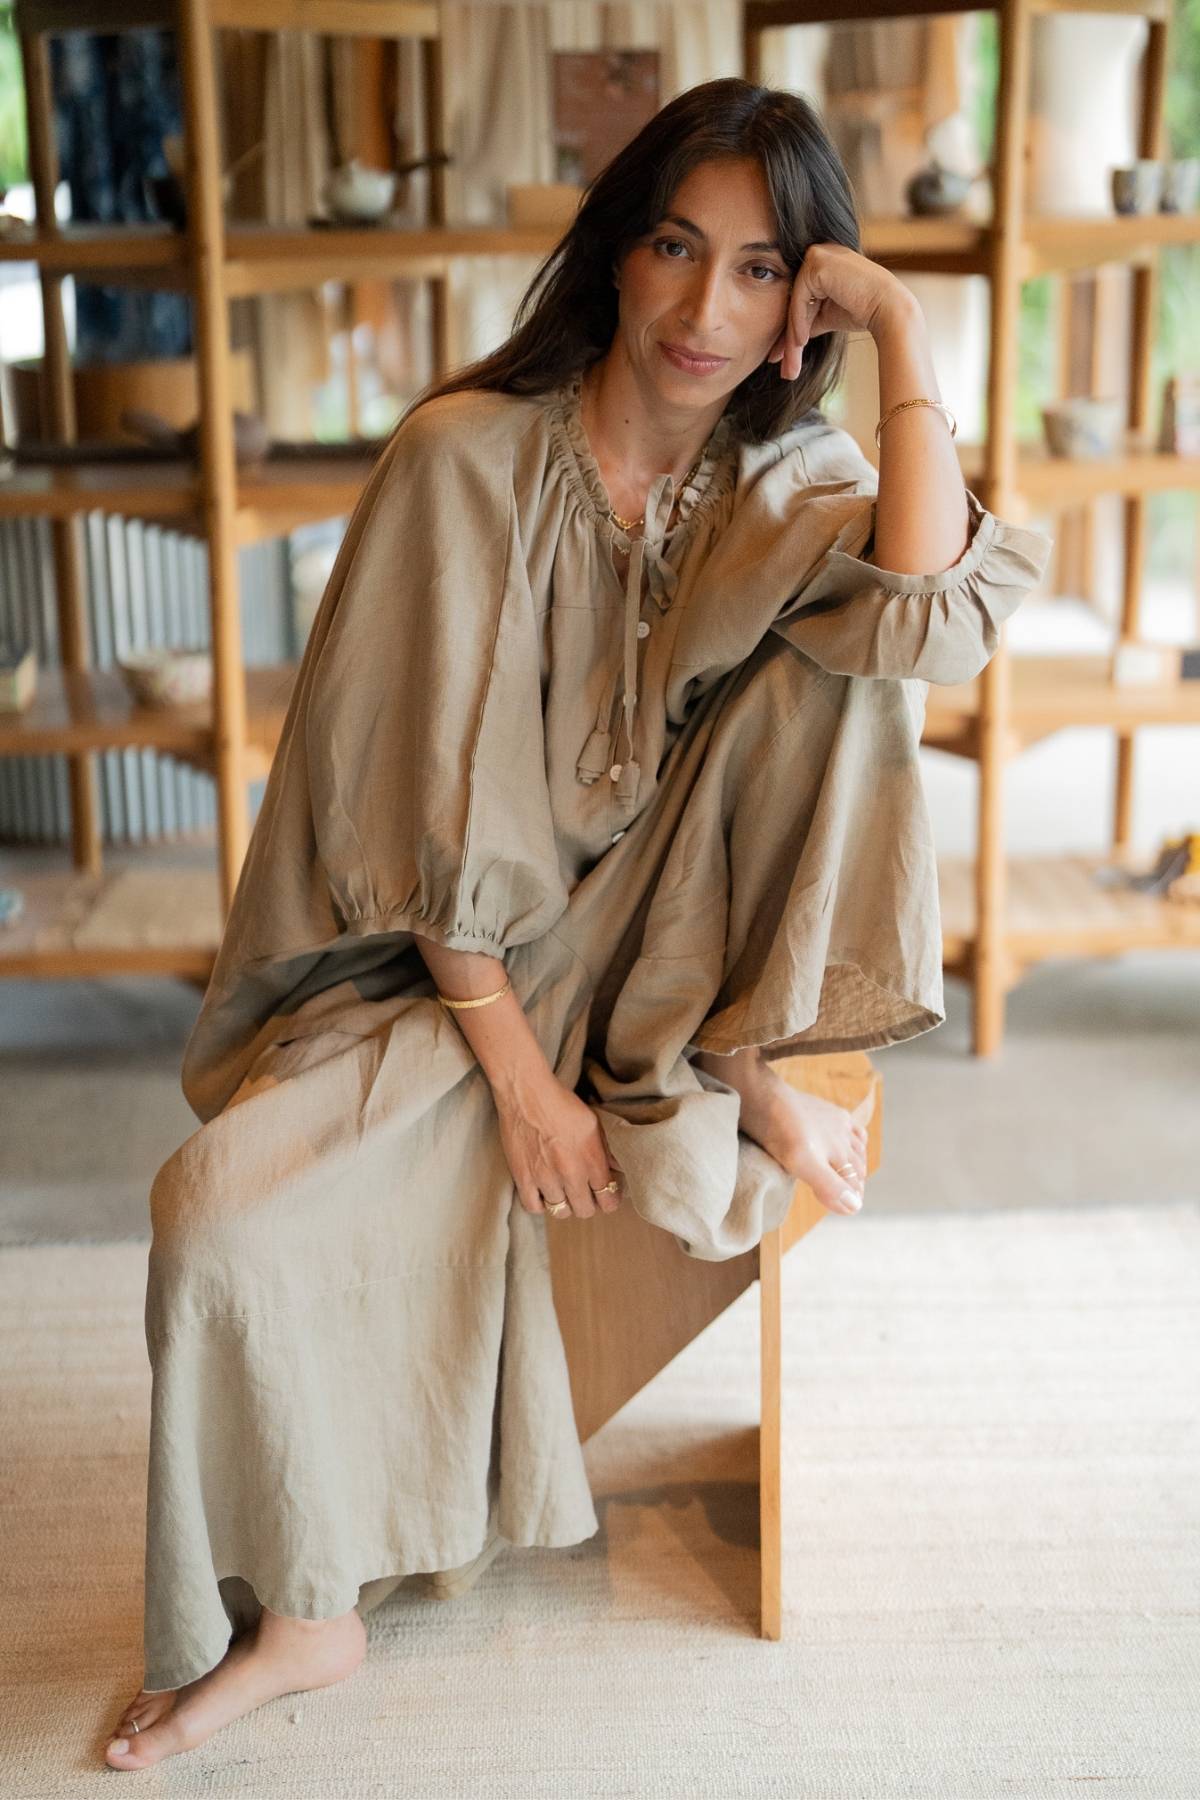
(664, 245)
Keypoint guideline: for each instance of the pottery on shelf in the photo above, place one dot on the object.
(1137, 187)
(357, 192)
(251, 438)
(1083, 426)
(167, 677)
(1181, 185)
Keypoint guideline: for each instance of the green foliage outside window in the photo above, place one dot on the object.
(13, 161)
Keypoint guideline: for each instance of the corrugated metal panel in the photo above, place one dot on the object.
(144, 587)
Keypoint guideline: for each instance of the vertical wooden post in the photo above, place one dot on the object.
(989, 960)
(218, 472)
(770, 1448)
(58, 421)
(752, 51)
(445, 349)
(1151, 142)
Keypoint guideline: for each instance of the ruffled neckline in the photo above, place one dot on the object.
(713, 477)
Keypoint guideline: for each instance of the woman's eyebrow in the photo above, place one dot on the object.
(676, 219)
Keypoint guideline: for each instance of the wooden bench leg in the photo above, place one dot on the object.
(770, 1270)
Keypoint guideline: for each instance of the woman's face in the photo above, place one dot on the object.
(702, 280)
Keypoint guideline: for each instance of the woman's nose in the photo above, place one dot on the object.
(703, 304)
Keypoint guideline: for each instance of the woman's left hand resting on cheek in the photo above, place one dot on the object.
(835, 289)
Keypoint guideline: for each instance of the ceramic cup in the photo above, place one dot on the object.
(1082, 426)
(1181, 184)
(1136, 188)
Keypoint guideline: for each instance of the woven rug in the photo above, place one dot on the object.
(991, 1566)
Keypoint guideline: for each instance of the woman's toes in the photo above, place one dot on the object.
(840, 1189)
(146, 1710)
(140, 1749)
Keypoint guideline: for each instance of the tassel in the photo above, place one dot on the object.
(627, 782)
(595, 757)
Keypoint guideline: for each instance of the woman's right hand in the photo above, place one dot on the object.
(555, 1148)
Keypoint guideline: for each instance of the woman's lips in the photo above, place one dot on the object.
(694, 365)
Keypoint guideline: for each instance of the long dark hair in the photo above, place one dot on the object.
(567, 315)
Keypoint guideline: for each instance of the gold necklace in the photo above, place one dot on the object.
(628, 524)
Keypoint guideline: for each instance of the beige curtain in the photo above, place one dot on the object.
(499, 105)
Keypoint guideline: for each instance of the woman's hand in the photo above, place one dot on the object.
(836, 289)
(555, 1148)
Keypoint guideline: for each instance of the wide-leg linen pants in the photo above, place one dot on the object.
(349, 1315)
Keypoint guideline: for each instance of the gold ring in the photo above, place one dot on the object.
(610, 1187)
(557, 1206)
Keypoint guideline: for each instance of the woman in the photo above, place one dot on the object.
(607, 725)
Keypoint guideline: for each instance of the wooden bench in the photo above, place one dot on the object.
(675, 1296)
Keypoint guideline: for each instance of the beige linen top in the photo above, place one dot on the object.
(485, 704)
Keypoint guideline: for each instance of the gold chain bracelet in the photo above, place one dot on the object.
(901, 404)
(485, 1001)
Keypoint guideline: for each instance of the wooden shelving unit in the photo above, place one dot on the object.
(993, 928)
(80, 919)
(1001, 915)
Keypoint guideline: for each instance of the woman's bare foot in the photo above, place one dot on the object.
(279, 1656)
(811, 1137)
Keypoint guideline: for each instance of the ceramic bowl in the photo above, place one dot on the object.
(1083, 426)
(167, 677)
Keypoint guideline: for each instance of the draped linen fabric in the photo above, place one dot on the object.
(349, 1314)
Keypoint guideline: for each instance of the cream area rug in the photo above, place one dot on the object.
(991, 1565)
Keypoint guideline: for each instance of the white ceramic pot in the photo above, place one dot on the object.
(356, 192)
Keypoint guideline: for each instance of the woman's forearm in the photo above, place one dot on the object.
(500, 1035)
(921, 519)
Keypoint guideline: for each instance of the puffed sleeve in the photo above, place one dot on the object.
(855, 618)
(423, 729)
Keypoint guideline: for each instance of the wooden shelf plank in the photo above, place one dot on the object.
(273, 498)
(165, 491)
(97, 250)
(333, 18)
(158, 919)
(766, 15)
(1052, 693)
(1046, 481)
(263, 259)
(267, 258)
(1054, 907)
(1051, 481)
(1059, 243)
(90, 709)
(277, 497)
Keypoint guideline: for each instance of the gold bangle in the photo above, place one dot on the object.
(485, 1001)
(901, 404)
